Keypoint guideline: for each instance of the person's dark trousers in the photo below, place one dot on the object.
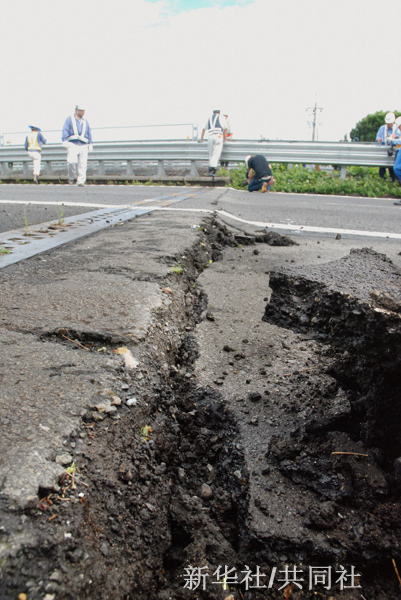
(382, 173)
(255, 185)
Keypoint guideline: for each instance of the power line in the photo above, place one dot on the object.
(111, 127)
(314, 111)
(193, 136)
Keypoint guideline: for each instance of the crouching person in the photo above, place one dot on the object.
(260, 175)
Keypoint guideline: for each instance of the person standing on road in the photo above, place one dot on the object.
(260, 173)
(77, 138)
(33, 144)
(397, 164)
(216, 128)
(386, 133)
(229, 138)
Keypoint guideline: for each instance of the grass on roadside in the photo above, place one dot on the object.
(359, 181)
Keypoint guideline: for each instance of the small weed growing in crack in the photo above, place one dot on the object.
(60, 210)
(177, 269)
(26, 223)
(4, 250)
(146, 432)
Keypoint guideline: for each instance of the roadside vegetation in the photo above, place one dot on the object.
(359, 181)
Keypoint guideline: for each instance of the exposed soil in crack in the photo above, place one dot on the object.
(229, 463)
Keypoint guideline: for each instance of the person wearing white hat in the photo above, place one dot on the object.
(260, 174)
(77, 138)
(386, 133)
(216, 128)
(33, 144)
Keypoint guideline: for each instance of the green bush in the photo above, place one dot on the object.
(238, 177)
(359, 181)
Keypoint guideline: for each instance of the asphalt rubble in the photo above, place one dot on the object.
(183, 417)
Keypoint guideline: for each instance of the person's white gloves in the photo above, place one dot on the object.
(90, 148)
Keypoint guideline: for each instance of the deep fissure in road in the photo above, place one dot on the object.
(167, 486)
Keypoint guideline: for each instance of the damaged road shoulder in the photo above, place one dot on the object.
(207, 438)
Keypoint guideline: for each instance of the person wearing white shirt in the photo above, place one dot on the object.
(386, 133)
(77, 138)
(216, 128)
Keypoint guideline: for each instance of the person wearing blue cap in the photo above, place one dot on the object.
(33, 144)
(77, 138)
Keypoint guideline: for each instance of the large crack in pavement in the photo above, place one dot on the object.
(212, 452)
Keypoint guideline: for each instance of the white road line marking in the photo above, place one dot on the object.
(46, 203)
(280, 226)
(314, 196)
(80, 204)
(312, 229)
(285, 226)
(174, 196)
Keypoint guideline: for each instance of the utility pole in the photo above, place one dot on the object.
(314, 111)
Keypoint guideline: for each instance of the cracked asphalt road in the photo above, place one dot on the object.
(105, 287)
(217, 384)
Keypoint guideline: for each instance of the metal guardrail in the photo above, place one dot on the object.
(151, 159)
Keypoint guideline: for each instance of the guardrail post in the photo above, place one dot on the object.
(343, 171)
(100, 167)
(25, 170)
(160, 169)
(130, 170)
(46, 167)
(194, 169)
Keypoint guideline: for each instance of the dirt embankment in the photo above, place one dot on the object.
(171, 487)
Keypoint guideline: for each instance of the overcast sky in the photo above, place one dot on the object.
(140, 62)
